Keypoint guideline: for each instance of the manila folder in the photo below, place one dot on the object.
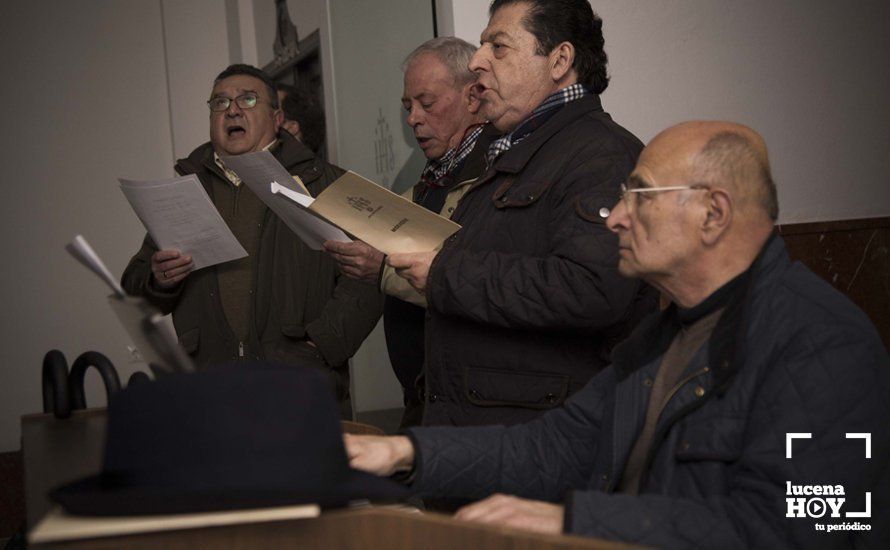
(384, 220)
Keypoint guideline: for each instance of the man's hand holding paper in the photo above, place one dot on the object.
(357, 259)
(413, 267)
(170, 267)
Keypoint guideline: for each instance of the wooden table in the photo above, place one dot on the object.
(366, 528)
(58, 451)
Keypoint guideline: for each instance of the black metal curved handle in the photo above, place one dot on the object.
(106, 370)
(54, 379)
(138, 378)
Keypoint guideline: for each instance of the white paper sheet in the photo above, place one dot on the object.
(84, 253)
(258, 171)
(178, 214)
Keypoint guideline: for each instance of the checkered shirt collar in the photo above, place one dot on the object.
(539, 116)
(436, 170)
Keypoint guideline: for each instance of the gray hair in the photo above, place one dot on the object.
(453, 52)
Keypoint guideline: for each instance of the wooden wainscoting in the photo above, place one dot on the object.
(852, 255)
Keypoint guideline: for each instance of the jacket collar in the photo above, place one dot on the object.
(725, 347)
(474, 165)
(514, 160)
(289, 152)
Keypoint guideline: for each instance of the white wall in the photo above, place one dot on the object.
(193, 61)
(93, 91)
(810, 76)
(85, 101)
(462, 18)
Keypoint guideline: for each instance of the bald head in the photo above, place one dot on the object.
(699, 206)
(727, 155)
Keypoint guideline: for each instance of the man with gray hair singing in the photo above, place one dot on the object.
(444, 114)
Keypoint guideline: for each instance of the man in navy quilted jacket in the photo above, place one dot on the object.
(751, 413)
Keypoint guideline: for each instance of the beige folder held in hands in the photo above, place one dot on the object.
(388, 222)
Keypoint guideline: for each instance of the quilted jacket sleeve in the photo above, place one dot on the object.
(541, 459)
(136, 280)
(575, 284)
(800, 394)
(398, 287)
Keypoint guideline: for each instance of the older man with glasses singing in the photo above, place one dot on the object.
(284, 302)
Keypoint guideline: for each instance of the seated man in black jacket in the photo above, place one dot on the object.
(751, 413)
(284, 302)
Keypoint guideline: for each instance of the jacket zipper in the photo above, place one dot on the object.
(679, 385)
(240, 349)
(660, 435)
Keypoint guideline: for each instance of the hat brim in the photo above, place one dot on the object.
(94, 496)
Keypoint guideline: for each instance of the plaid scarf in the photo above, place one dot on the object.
(435, 170)
(539, 116)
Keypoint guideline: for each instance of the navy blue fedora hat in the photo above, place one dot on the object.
(230, 438)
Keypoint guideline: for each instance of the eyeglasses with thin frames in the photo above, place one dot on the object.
(629, 197)
(243, 101)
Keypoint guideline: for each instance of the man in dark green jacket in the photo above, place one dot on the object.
(284, 302)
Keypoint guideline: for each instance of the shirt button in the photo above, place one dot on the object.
(647, 382)
(474, 394)
(699, 391)
(604, 212)
(433, 398)
(551, 398)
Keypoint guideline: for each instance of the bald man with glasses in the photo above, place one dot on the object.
(284, 302)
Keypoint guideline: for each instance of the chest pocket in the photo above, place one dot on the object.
(595, 208)
(513, 194)
(487, 387)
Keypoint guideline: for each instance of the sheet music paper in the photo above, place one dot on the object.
(84, 253)
(178, 214)
(156, 342)
(258, 170)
